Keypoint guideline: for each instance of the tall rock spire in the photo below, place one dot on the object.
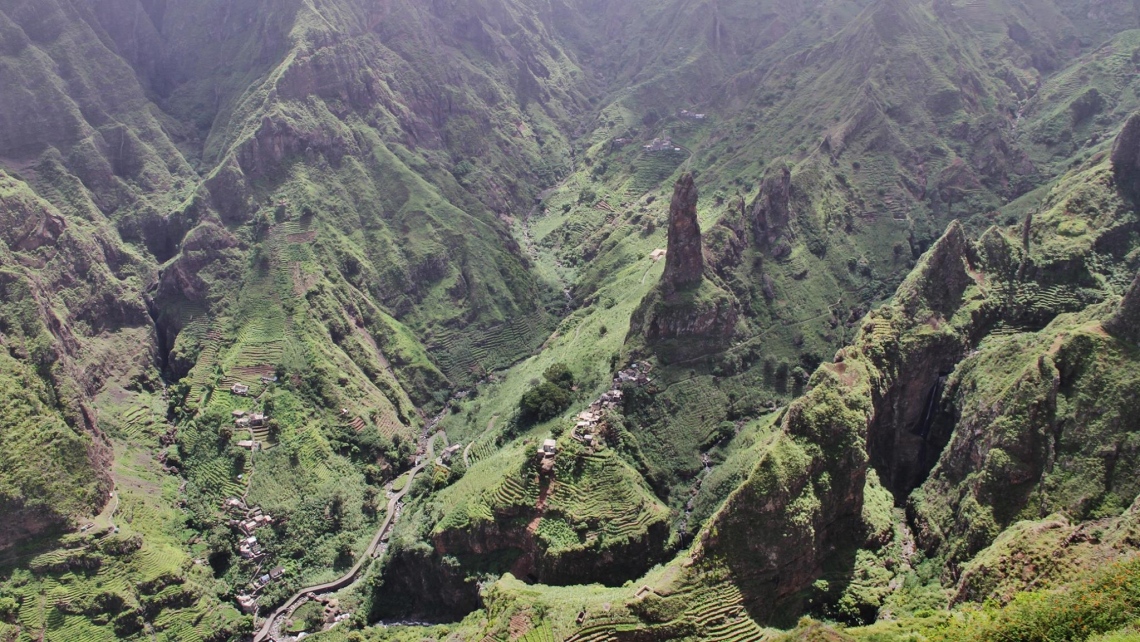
(684, 262)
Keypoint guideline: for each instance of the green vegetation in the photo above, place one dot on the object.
(549, 398)
(365, 223)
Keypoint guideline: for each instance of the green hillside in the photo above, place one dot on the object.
(267, 267)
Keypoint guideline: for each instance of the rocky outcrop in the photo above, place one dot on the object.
(943, 277)
(207, 251)
(771, 211)
(684, 261)
(1125, 322)
(708, 313)
(688, 312)
(802, 507)
(1126, 158)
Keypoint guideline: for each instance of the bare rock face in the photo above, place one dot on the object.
(1126, 322)
(684, 262)
(1126, 158)
(771, 210)
(688, 314)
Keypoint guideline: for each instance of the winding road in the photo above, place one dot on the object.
(269, 630)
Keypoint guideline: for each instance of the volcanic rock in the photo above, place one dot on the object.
(771, 210)
(1125, 323)
(1126, 158)
(684, 262)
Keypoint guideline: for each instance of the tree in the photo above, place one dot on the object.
(9, 607)
(560, 375)
(542, 402)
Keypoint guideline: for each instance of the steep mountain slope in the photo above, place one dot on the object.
(303, 202)
(369, 221)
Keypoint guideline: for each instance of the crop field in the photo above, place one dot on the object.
(202, 374)
(602, 491)
(216, 478)
(64, 593)
(653, 168)
(465, 353)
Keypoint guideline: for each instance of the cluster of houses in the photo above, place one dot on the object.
(592, 420)
(685, 113)
(661, 145)
(636, 374)
(242, 390)
(247, 521)
(245, 420)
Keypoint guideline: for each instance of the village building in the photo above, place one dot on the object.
(549, 448)
(248, 603)
(249, 443)
(448, 453)
(239, 389)
(277, 572)
(589, 417)
(238, 414)
(242, 422)
(250, 549)
(257, 419)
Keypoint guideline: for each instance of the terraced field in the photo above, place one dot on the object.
(603, 494)
(201, 375)
(542, 633)
(216, 478)
(515, 492)
(464, 353)
(483, 448)
(140, 423)
(59, 596)
(709, 613)
(652, 169)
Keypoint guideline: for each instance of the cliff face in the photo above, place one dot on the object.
(969, 436)
(1125, 322)
(802, 507)
(771, 211)
(1126, 158)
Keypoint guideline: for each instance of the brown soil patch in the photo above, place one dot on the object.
(520, 626)
(1058, 341)
(302, 237)
(1097, 329)
(301, 281)
(840, 371)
